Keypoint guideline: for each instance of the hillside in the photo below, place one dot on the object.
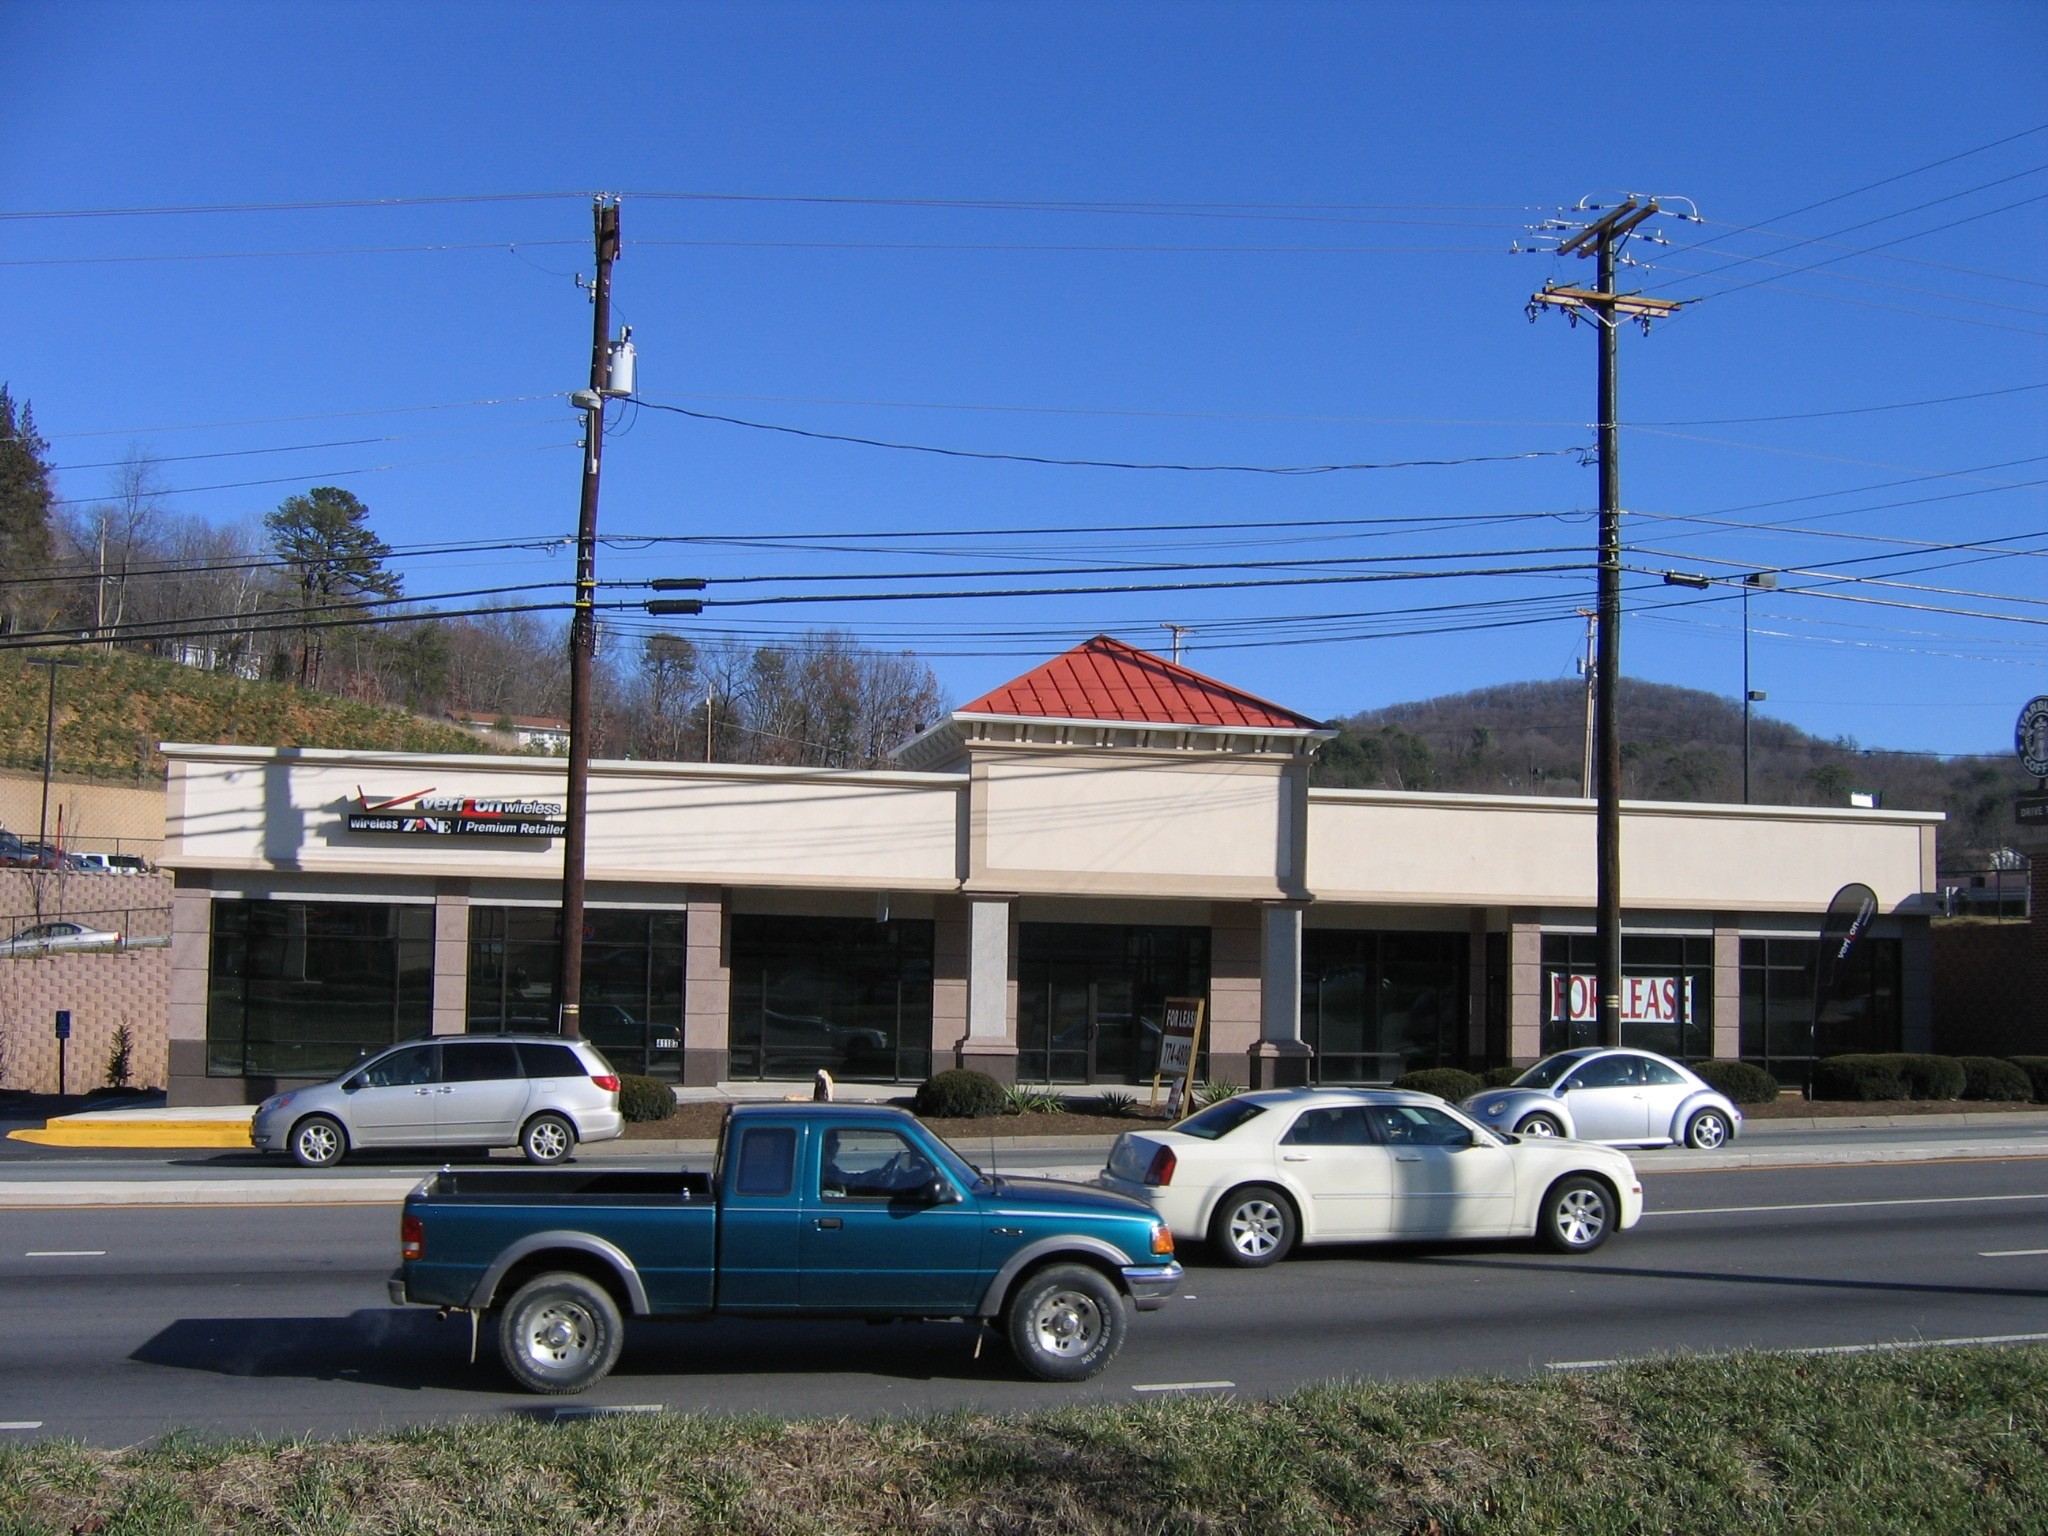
(113, 710)
(1677, 744)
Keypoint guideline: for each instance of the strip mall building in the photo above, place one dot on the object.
(1047, 865)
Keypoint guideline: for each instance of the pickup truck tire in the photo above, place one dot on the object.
(560, 1333)
(1065, 1322)
(547, 1139)
(318, 1142)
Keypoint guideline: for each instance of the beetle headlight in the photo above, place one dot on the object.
(1494, 1110)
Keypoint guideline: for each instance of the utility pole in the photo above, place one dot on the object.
(1607, 308)
(1589, 668)
(582, 622)
(1178, 631)
(1755, 579)
(49, 741)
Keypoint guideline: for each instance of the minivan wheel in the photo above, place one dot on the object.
(547, 1139)
(1065, 1323)
(560, 1333)
(318, 1141)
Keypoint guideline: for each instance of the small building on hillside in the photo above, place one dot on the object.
(1043, 869)
(524, 733)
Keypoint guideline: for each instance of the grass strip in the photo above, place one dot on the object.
(1926, 1442)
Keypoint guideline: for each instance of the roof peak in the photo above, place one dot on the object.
(1112, 680)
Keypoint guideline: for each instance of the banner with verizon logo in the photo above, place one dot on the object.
(1644, 999)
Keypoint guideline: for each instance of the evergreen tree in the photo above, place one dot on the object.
(25, 498)
(332, 557)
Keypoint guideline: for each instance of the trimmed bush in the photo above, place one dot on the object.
(1739, 1080)
(960, 1094)
(1864, 1078)
(1995, 1079)
(1500, 1077)
(2036, 1068)
(1932, 1077)
(645, 1098)
(1450, 1083)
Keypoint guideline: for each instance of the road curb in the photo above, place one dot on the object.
(84, 1194)
(1840, 1157)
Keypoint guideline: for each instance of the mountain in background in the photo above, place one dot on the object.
(1676, 744)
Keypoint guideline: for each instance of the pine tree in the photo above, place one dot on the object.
(25, 500)
(325, 541)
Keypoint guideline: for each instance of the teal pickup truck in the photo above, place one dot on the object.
(810, 1211)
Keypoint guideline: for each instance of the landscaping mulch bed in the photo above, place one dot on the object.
(699, 1121)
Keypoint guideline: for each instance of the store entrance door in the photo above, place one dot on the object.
(1090, 1039)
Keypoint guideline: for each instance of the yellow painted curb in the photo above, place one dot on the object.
(139, 1133)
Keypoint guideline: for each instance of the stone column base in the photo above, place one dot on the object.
(998, 1058)
(703, 1067)
(1281, 1064)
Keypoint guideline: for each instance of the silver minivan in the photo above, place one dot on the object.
(540, 1093)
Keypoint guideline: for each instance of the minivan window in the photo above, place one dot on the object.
(767, 1161)
(549, 1060)
(411, 1067)
(480, 1061)
(1219, 1120)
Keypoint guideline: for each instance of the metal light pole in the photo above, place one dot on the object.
(1755, 579)
(49, 741)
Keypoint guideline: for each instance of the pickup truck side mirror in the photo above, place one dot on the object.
(940, 1192)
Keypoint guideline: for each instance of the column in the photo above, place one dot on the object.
(1283, 1059)
(1237, 1004)
(1727, 987)
(1525, 990)
(1916, 983)
(990, 1044)
(707, 986)
(451, 957)
(951, 944)
(191, 965)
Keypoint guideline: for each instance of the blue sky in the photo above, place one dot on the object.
(1355, 302)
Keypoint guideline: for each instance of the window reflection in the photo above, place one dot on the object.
(632, 1004)
(849, 995)
(1377, 1004)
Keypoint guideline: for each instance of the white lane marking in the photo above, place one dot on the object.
(1816, 1349)
(1844, 1205)
(1184, 1386)
(65, 1253)
(21, 1424)
(2012, 1253)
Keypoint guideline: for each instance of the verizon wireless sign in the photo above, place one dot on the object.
(427, 814)
(1644, 999)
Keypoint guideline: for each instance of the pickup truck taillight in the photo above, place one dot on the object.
(605, 1081)
(412, 1237)
(1160, 1174)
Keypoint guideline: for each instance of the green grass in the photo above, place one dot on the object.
(113, 710)
(1926, 1442)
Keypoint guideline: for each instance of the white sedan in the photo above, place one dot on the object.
(1260, 1172)
(50, 938)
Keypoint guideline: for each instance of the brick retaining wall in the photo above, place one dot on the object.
(102, 990)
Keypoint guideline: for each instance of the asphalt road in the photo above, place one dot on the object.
(125, 1323)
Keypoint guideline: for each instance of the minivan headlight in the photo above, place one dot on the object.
(278, 1102)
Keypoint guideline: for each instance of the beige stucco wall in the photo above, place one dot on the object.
(94, 818)
(1481, 850)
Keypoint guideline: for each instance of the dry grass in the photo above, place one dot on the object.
(1922, 1443)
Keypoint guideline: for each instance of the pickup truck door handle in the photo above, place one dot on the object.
(1407, 1157)
(1005, 1231)
(829, 1223)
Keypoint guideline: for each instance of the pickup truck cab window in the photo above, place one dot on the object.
(872, 1165)
(767, 1161)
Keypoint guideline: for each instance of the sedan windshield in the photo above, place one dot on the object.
(1545, 1074)
(1219, 1120)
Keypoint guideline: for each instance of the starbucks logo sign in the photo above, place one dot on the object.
(2030, 737)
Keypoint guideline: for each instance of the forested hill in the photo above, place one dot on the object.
(1677, 744)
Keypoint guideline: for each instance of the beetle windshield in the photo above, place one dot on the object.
(1547, 1073)
(1219, 1120)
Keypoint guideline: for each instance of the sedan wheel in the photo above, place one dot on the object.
(1578, 1213)
(1708, 1130)
(1539, 1125)
(1253, 1227)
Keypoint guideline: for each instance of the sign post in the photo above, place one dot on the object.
(1180, 1041)
(63, 1039)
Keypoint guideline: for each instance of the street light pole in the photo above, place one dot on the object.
(49, 741)
(1755, 579)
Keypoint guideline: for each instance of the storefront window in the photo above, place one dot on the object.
(632, 980)
(1090, 997)
(1779, 1032)
(850, 995)
(1675, 1020)
(305, 989)
(1375, 1005)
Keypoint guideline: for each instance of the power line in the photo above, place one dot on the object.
(312, 476)
(339, 250)
(272, 421)
(1854, 410)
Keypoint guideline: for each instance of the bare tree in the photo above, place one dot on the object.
(119, 534)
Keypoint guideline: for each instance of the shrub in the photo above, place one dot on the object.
(960, 1094)
(1739, 1080)
(1115, 1103)
(1931, 1077)
(119, 1055)
(645, 1098)
(1864, 1078)
(1991, 1078)
(1215, 1091)
(1452, 1083)
(1500, 1077)
(2036, 1068)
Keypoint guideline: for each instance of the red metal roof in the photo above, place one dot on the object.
(1105, 679)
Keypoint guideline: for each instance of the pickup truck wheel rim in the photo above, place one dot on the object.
(1581, 1216)
(1256, 1228)
(560, 1337)
(1067, 1323)
(548, 1140)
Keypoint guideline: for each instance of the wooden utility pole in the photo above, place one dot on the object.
(583, 626)
(1607, 308)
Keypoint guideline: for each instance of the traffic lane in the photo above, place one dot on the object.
(196, 1323)
(1933, 1131)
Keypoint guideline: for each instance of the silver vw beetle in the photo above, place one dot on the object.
(1623, 1098)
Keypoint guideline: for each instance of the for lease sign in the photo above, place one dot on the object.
(1644, 999)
